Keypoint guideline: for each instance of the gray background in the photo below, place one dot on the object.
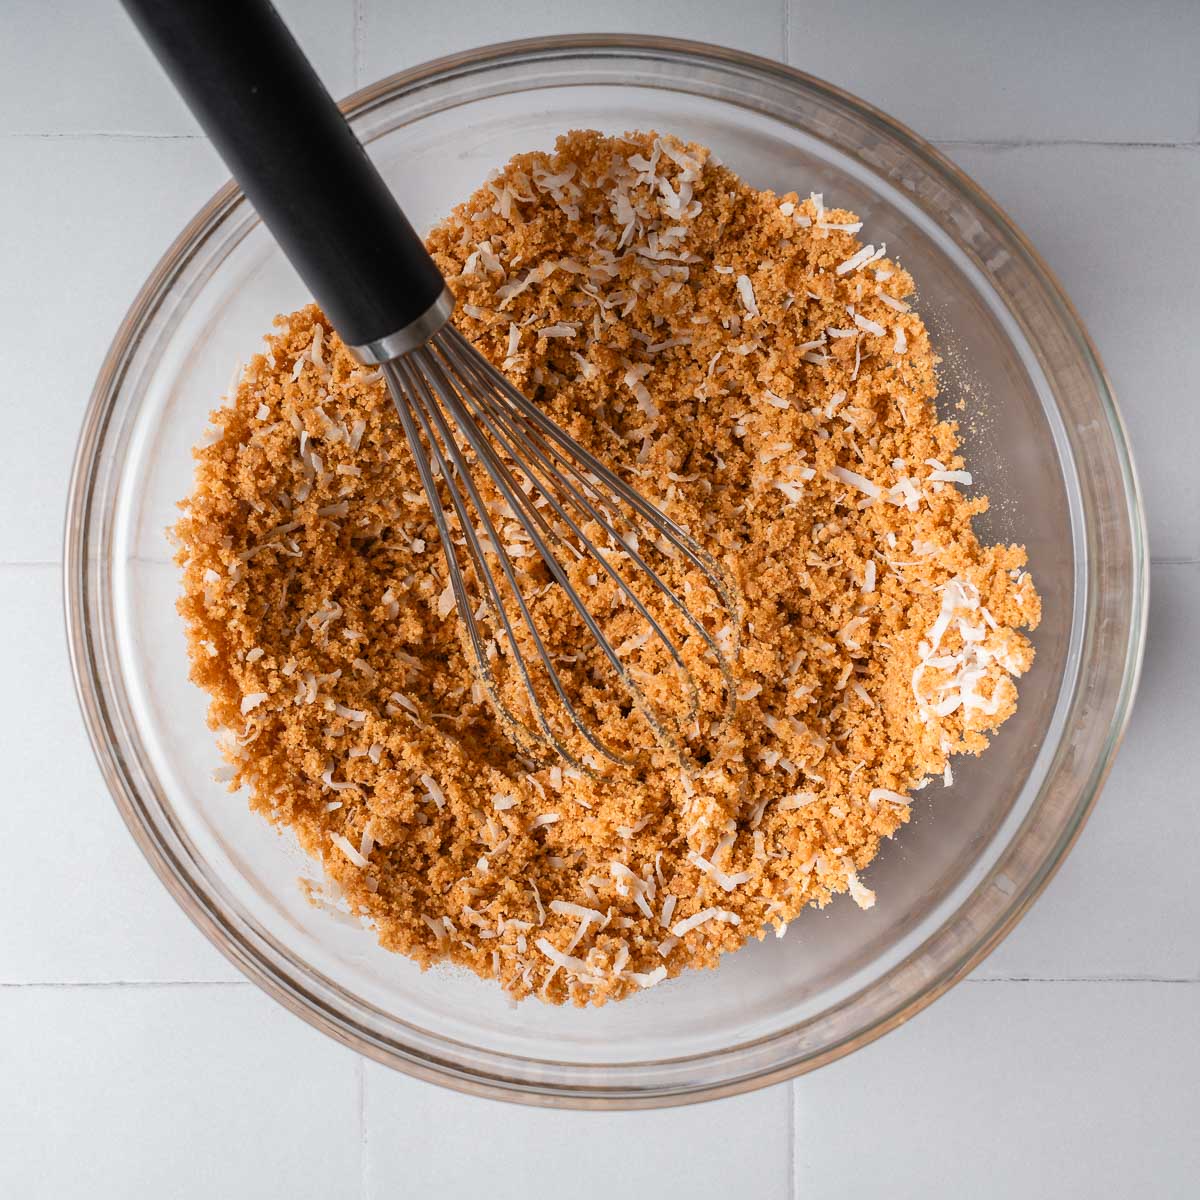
(134, 1061)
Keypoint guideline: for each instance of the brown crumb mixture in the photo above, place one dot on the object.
(756, 372)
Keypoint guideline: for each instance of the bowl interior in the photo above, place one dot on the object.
(435, 143)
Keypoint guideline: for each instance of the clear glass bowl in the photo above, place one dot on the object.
(1043, 438)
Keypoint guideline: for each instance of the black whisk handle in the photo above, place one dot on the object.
(291, 150)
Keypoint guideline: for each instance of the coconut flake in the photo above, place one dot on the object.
(867, 325)
(569, 963)
(892, 302)
(402, 701)
(797, 800)
(702, 917)
(856, 260)
(963, 477)
(343, 844)
(538, 274)
(335, 785)
(728, 882)
(633, 380)
(863, 896)
(589, 370)
(877, 794)
(567, 909)
(746, 292)
(650, 978)
(854, 479)
(433, 790)
(838, 398)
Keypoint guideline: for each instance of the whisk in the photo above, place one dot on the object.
(504, 482)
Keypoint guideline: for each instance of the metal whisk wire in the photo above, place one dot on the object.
(265, 109)
(461, 415)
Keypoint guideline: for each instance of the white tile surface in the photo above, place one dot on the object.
(442, 1144)
(171, 1092)
(1088, 924)
(1132, 288)
(79, 902)
(76, 66)
(82, 222)
(394, 37)
(1068, 1090)
(1093, 70)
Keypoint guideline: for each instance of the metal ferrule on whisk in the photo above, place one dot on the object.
(409, 337)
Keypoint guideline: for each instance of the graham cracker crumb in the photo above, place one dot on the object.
(755, 371)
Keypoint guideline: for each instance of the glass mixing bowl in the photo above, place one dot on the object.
(1043, 439)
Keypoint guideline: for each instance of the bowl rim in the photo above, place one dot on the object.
(307, 1003)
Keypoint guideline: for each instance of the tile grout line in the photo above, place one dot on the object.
(793, 1149)
(359, 69)
(131, 984)
(103, 135)
(358, 34)
(361, 1079)
(787, 30)
(1060, 143)
(1185, 980)
(162, 984)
